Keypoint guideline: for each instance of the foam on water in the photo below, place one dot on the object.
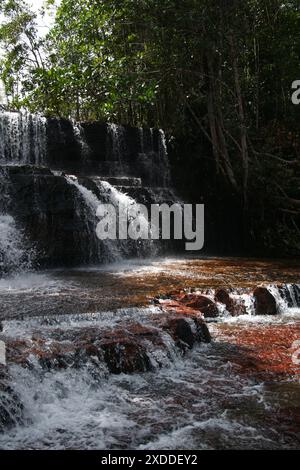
(196, 403)
(30, 282)
(15, 255)
(109, 319)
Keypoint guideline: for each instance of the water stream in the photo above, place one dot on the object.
(95, 360)
(199, 400)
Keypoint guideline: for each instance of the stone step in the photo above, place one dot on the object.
(124, 181)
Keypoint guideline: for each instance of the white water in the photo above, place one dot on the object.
(79, 135)
(127, 205)
(114, 250)
(22, 138)
(195, 402)
(163, 157)
(15, 256)
(105, 250)
(117, 135)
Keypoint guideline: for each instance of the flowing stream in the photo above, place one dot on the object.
(97, 356)
(196, 400)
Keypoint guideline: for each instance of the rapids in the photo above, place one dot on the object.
(231, 393)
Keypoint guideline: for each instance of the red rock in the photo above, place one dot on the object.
(173, 306)
(264, 302)
(126, 356)
(123, 348)
(203, 304)
(264, 351)
(232, 306)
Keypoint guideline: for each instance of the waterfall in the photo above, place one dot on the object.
(23, 138)
(163, 157)
(117, 134)
(80, 137)
(87, 205)
(127, 205)
(287, 297)
(63, 222)
(241, 301)
(15, 256)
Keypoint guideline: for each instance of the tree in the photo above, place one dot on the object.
(22, 54)
(221, 69)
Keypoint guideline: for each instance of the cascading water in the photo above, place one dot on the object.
(109, 250)
(65, 384)
(240, 302)
(153, 157)
(163, 157)
(125, 204)
(87, 204)
(15, 256)
(117, 136)
(80, 137)
(23, 139)
(125, 377)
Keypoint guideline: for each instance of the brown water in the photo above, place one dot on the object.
(133, 284)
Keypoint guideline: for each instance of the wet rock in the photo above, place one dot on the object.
(125, 356)
(203, 334)
(263, 352)
(173, 306)
(181, 332)
(202, 303)
(126, 348)
(232, 306)
(223, 297)
(264, 302)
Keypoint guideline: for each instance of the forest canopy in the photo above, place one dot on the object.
(222, 69)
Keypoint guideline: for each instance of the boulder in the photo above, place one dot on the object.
(264, 302)
(232, 306)
(203, 334)
(203, 304)
(181, 332)
(174, 306)
(125, 356)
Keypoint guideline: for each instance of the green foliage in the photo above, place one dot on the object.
(222, 68)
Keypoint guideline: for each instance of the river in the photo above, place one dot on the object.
(241, 391)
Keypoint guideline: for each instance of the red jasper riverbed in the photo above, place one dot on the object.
(118, 357)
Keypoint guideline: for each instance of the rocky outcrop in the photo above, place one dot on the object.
(211, 303)
(46, 208)
(87, 148)
(192, 304)
(264, 302)
(201, 303)
(127, 349)
(60, 221)
(125, 355)
(60, 218)
(95, 148)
